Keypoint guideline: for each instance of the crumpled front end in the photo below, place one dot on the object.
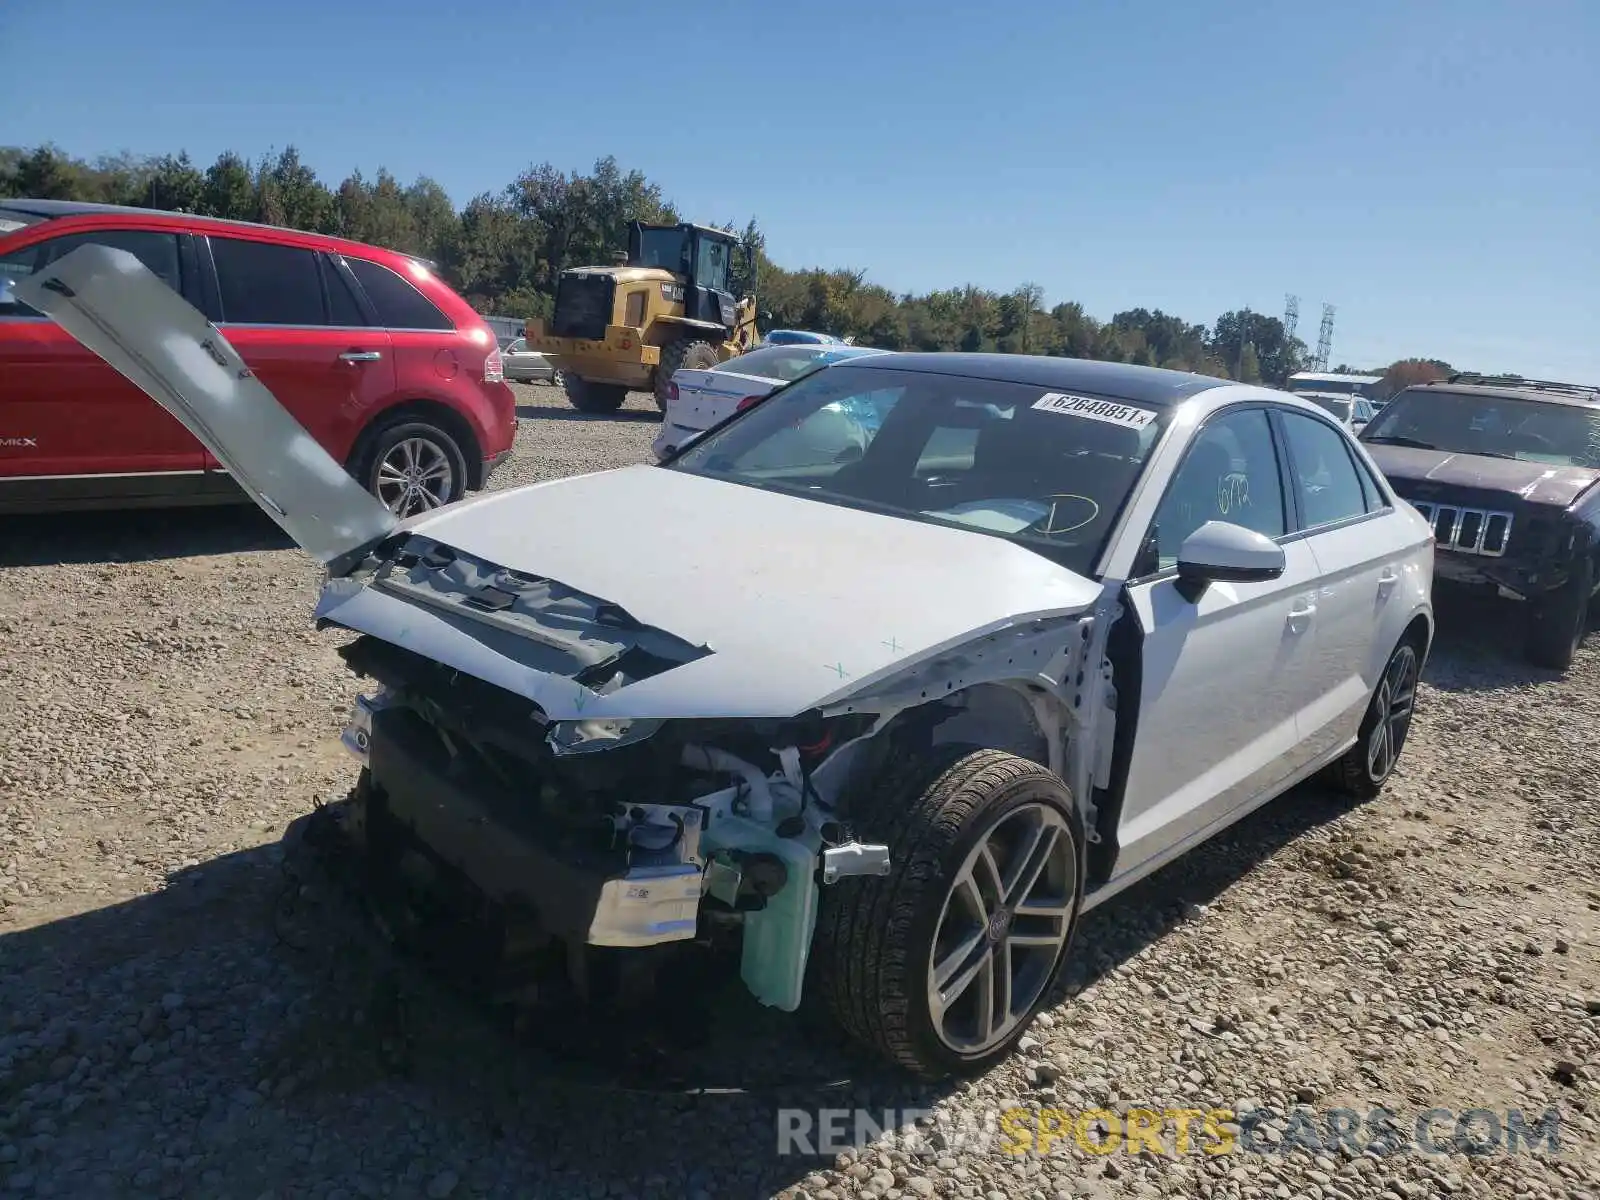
(603, 847)
(700, 833)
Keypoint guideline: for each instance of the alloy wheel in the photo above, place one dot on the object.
(1005, 921)
(1393, 706)
(415, 476)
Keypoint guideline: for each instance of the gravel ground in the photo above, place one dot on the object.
(188, 1009)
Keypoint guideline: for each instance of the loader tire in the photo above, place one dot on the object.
(694, 353)
(589, 397)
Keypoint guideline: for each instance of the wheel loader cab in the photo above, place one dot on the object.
(702, 259)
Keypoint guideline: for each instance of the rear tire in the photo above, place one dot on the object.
(694, 353)
(879, 939)
(411, 465)
(1367, 765)
(1557, 622)
(598, 398)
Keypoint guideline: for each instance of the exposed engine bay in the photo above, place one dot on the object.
(705, 826)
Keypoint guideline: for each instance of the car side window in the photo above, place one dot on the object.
(1371, 490)
(400, 305)
(14, 266)
(343, 308)
(267, 284)
(1229, 473)
(1324, 475)
(156, 250)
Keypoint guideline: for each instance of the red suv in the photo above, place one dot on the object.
(392, 372)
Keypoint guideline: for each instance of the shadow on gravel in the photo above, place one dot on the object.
(137, 535)
(1479, 642)
(535, 412)
(245, 1029)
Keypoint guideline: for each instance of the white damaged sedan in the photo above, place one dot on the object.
(882, 726)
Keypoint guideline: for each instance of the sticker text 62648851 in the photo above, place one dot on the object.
(1090, 409)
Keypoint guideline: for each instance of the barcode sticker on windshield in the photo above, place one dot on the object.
(1108, 411)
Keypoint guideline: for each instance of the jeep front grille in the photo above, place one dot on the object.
(1467, 530)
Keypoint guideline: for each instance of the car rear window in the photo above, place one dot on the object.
(400, 305)
(266, 284)
(789, 362)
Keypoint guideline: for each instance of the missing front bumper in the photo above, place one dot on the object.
(580, 893)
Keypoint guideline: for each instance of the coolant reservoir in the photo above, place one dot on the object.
(777, 938)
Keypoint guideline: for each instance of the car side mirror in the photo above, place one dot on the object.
(1222, 552)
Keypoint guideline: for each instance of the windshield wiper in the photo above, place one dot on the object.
(1413, 443)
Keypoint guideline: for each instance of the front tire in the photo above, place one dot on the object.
(694, 353)
(1558, 622)
(412, 466)
(941, 965)
(1367, 765)
(596, 398)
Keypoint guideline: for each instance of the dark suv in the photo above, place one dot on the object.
(1508, 472)
(392, 372)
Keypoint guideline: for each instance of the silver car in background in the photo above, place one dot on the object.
(528, 366)
(1353, 412)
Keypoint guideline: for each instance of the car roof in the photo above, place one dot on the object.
(1332, 377)
(57, 209)
(1144, 385)
(1571, 395)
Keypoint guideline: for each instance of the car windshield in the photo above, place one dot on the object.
(790, 362)
(1048, 470)
(1566, 435)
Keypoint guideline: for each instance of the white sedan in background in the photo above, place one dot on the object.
(697, 400)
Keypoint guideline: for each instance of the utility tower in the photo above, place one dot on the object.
(1291, 316)
(1325, 338)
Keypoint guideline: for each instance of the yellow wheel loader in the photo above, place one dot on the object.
(629, 327)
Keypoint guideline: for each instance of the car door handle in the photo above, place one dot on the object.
(355, 356)
(1387, 580)
(1300, 616)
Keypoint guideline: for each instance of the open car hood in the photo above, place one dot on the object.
(637, 594)
(115, 306)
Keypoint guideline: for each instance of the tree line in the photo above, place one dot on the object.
(503, 252)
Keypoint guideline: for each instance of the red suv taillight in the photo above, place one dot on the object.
(672, 391)
(746, 403)
(494, 366)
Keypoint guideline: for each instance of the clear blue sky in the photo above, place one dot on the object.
(1433, 169)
